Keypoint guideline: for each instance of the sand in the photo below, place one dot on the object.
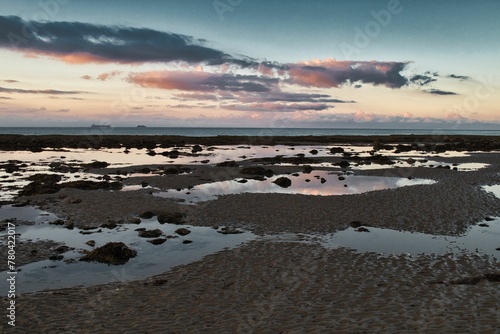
(271, 286)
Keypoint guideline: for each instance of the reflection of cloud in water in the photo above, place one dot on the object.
(332, 186)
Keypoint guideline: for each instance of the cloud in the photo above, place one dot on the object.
(439, 92)
(81, 43)
(106, 76)
(274, 107)
(198, 97)
(330, 73)
(421, 80)
(203, 81)
(86, 77)
(63, 110)
(41, 91)
(459, 77)
(10, 81)
(5, 98)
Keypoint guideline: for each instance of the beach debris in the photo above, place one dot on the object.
(182, 231)
(150, 233)
(283, 182)
(112, 253)
(157, 241)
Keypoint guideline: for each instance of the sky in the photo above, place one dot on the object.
(261, 63)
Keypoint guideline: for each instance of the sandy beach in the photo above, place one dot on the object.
(283, 279)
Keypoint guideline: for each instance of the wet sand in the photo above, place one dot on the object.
(271, 286)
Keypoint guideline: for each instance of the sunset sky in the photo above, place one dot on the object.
(251, 63)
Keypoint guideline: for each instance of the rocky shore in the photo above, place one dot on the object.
(270, 285)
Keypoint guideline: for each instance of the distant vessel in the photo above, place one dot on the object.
(141, 126)
(100, 126)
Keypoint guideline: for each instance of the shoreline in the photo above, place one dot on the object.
(38, 142)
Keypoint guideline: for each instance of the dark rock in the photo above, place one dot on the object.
(136, 221)
(41, 184)
(158, 241)
(171, 218)
(334, 150)
(159, 282)
(182, 231)
(489, 219)
(341, 178)
(140, 229)
(313, 152)
(355, 224)
(150, 233)
(196, 149)
(147, 215)
(242, 181)
(58, 222)
(283, 182)
(91, 243)
(344, 164)
(144, 184)
(205, 161)
(307, 169)
(362, 229)
(62, 249)
(307, 180)
(109, 225)
(187, 242)
(229, 230)
(91, 185)
(56, 257)
(231, 163)
(257, 171)
(115, 253)
(95, 165)
(323, 180)
(484, 225)
(151, 153)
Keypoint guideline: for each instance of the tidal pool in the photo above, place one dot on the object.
(150, 260)
(319, 183)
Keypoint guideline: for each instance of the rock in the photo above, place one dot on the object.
(334, 150)
(344, 164)
(362, 229)
(187, 242)
(151, 153)
(229, 230)
(150, 233)
(56, 257)
(171, 218)
(355, 224)
(70, 224)
(91, 243)
(144, 184)
(158, 241)
(58, 222)
(323, 180)
(62, 249)
(41, 184)
(109, 225)
(95, 165)
(231, 163)
(489, 219)
(115, 253)
(313, 152)
(341, 178)
(182, 231)
(411, 161)
(147, 215)
(257, 171)
(242, 181)
(91, 185)
(196, 149)
(136, 221)
(307, 169)
(307, 180)
(484, 225)
(283, 182)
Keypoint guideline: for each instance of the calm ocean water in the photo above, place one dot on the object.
(210, 132)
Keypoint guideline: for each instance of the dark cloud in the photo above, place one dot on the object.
(10, 81)
(439, 92)
(204, 81)
(421, 80)
(332, 73)
(459, 77)
(5, 98)
(76, 42)
(278, 96)
(277, 107)
(41, 91)
(64, 110)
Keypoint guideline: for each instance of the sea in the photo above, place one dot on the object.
(212, 132)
